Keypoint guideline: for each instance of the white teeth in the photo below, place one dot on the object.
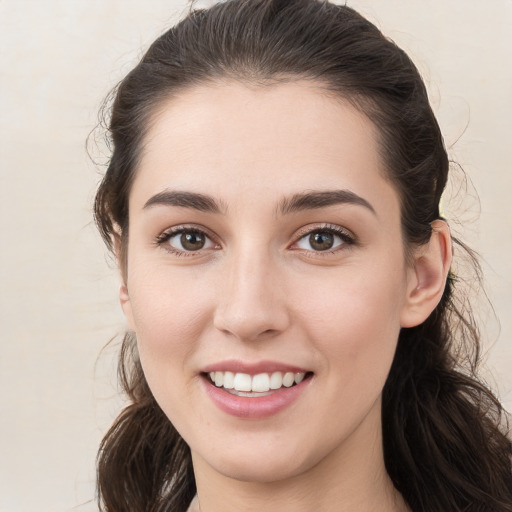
(288, 379)
(261, 383)
(276, 380)
(229, 380)
(243, 382)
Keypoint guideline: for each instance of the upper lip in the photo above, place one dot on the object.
(252, 368)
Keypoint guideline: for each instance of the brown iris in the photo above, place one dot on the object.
(192, 241)
(321, 241)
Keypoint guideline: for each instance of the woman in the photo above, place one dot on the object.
(273, 202)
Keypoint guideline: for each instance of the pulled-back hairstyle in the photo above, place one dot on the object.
(445, 444)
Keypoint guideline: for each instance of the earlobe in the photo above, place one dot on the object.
(126, 305)
(427, 278)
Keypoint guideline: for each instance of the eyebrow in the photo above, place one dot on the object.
(196, 201)
(298, 202)
(320, 199)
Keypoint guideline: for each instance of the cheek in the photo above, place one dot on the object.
(354, 320)
(169, 317)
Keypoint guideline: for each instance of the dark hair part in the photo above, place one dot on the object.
(445, 444)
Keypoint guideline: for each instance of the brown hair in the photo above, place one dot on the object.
(445, 446)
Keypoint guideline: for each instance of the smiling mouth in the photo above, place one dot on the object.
(259, 385)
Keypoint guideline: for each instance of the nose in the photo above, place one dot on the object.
(251, 301)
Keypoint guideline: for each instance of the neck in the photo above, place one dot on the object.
(352, 477)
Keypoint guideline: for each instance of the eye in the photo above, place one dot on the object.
(324, 239)
(186, 240)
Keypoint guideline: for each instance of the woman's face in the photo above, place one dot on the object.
(264, 248)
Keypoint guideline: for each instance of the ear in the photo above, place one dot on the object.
(126, 305)
(124, 296)
(427, 276)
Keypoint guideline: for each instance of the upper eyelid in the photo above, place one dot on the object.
(180, 228)
(306, 230)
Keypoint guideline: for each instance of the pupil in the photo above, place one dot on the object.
(192, 241)
(321, 241)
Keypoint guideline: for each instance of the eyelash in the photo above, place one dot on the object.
(347, 239)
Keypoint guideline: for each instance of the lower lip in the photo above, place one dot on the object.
(258, 407)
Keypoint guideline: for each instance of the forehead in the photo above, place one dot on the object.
(231, 138)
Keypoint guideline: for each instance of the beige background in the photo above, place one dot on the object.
(58, 294)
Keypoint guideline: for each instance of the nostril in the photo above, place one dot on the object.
(247, 312)
(251, 327)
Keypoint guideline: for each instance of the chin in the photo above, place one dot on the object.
(262, 464)
(263, 472)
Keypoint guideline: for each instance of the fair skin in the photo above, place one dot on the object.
(267, 281)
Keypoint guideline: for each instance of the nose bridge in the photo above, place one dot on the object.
(250, 301)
